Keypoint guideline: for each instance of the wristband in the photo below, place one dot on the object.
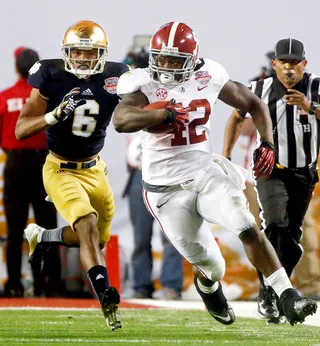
(267, 144)
(314, 107)
(170, 116)
(50, 118)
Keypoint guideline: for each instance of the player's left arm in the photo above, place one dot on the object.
(240, 97)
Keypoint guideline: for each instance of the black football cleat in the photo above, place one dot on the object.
(281, 319)
(110, 307)
(296, 308)
(217, 304)
(277, 320)
(267, 304)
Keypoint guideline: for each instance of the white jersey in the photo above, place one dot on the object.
(176, 155)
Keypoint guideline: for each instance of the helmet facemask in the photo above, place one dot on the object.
(73, 65)
(171, 76)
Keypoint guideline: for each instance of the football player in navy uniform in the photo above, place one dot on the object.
(73, 100)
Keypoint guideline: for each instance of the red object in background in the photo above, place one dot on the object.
(11, 102)
(18, 50)
(113, 262)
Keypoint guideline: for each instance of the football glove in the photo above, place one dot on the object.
(176, 113)
(68, 105)
(263, 159)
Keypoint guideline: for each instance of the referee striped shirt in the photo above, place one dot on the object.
(295, 132)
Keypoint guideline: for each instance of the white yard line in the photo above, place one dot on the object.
(241, 309)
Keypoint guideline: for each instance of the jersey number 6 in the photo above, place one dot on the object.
(83, 124)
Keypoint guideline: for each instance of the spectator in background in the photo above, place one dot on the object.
(23, 184)
(266, 71)
(142, 221)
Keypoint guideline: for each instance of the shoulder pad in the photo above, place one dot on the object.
(43, 70)
(115, 69)
(219, 76)
(133, 80)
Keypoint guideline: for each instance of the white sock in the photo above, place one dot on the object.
(206, 289)
(279, 281)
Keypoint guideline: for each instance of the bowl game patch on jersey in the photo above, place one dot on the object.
(110, 85)
(203, 78)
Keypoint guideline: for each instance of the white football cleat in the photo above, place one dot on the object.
(31, 233)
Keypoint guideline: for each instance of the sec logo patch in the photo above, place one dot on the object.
(161, 93)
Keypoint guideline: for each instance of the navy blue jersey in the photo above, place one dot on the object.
(83, 133)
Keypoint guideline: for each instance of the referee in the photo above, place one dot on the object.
(292, 96)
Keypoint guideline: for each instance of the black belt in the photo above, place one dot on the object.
(80, 165)
(311, 166)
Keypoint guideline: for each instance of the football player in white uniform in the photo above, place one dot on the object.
(183, 187)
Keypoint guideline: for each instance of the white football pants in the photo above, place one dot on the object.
(213, 196)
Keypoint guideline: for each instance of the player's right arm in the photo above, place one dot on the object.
(130, 117)
(34, 119)
(32, 116)
(232, 132)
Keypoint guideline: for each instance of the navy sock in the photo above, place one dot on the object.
(98, 277)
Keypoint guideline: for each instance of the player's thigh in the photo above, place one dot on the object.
(221, 201)
(184, 227)
(67, 190)
(103, 201)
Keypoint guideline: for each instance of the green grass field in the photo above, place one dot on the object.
(144, 327)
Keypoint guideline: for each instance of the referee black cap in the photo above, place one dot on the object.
(289, 48)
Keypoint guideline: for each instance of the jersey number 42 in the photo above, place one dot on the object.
(188, 134)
